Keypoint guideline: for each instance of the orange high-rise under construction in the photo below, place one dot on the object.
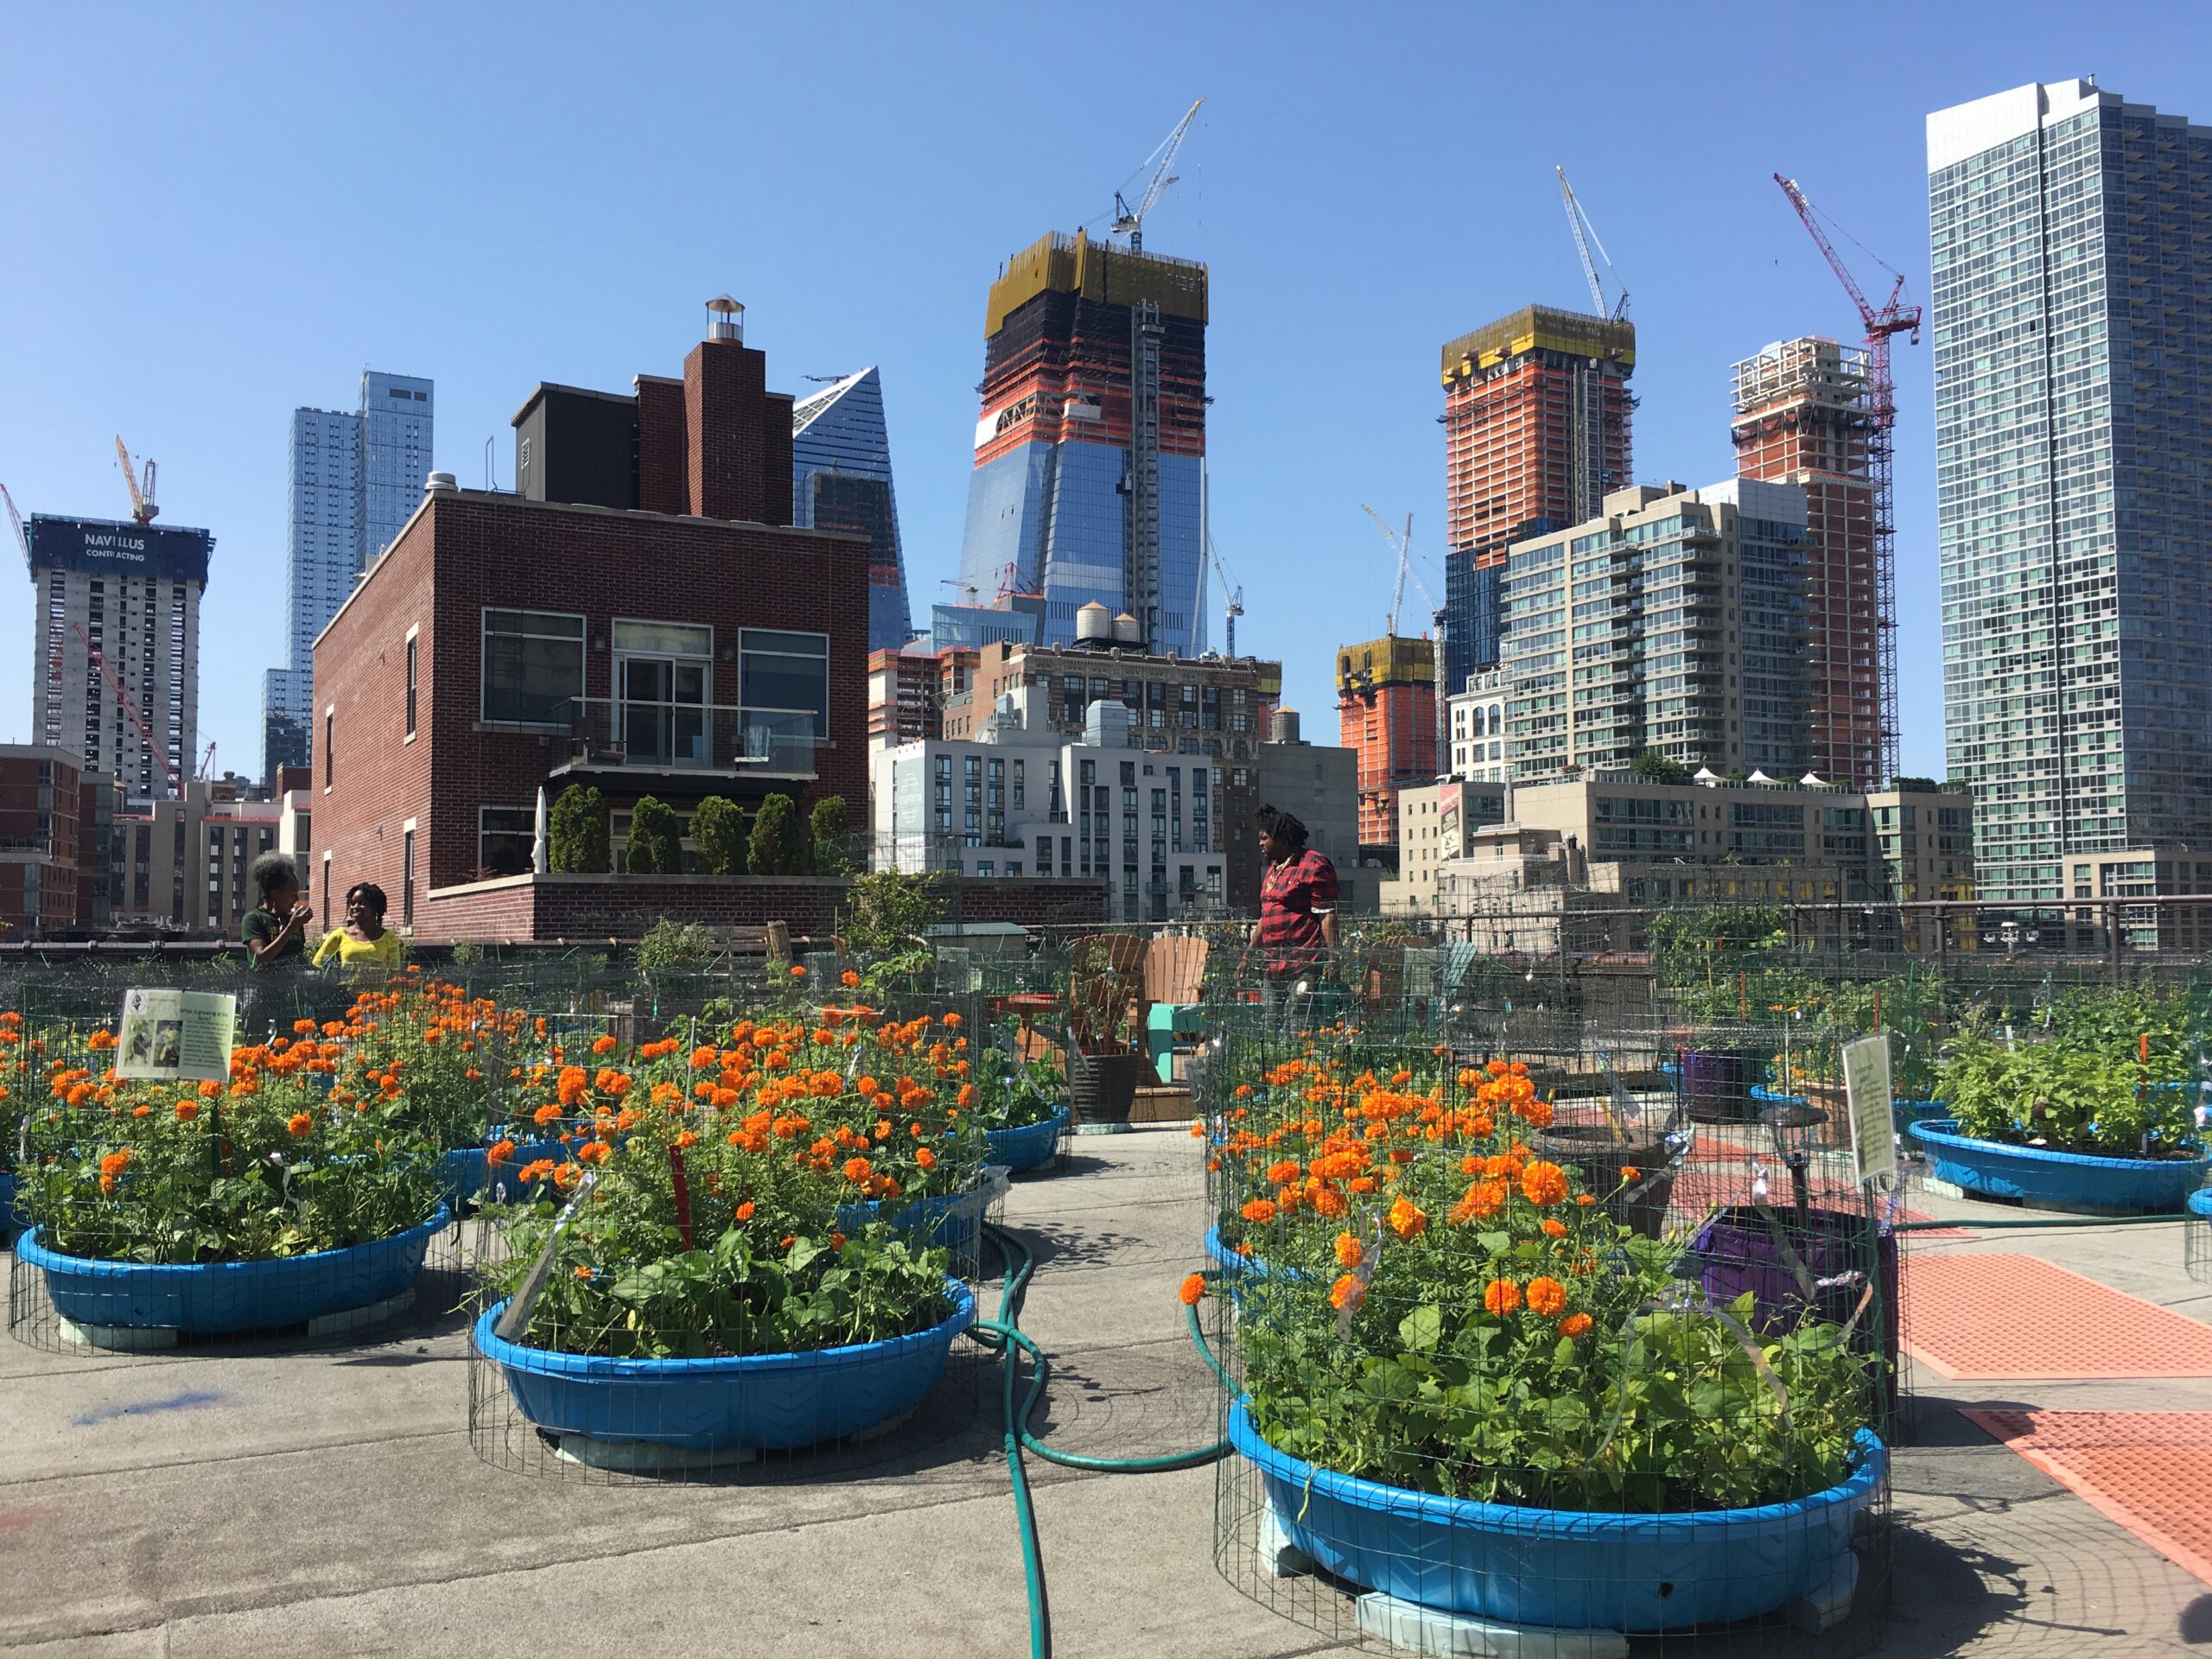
(1386, 713)
(1802, 417)
(1536, 419)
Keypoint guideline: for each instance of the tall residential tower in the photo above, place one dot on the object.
(355, 479)
(2071, 235)
(1090, 449)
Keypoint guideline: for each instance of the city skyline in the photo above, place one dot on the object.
(1320, 366)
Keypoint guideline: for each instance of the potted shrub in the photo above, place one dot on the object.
(2065, 1122)
(1021, 1105)
(281, 1196)
(719, 1293)
(1104, 1068)
(1465, 1386)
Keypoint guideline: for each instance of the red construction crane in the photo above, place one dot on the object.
(141, 495)
(1894, 318)
(123, 700)
(16, 519)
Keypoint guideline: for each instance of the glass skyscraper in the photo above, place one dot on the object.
(840, 480)
(355, 481)
(1090, 449)
(2071, 235)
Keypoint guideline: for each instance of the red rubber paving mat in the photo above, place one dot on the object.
(2006, 1319)
(2149, 1471)
(1702, 1187)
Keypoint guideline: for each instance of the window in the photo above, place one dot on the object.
(407, 879)
(411, 684)
(505, 838)
(329, 733)
(785, 674)
(533, 666)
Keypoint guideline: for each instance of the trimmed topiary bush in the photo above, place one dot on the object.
(577, 833)
(718, 834)
(775, 837)
(656, 844)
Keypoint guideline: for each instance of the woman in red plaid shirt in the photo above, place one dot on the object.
(1297, 927)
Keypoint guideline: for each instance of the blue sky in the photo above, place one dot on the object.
(216, 216)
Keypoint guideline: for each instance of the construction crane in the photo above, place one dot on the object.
(1895, 317)
(142, 509)
(206, 764)
(1401, 542)
(23, 536)
(1233, 603)
(123, 700)
(1585, 233)
(1129, 221)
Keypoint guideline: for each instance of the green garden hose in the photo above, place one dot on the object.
(1005, 1335)
(2036, 1221)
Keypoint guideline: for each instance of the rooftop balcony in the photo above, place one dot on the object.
(630, 736)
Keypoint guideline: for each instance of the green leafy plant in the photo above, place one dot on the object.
(669, 945)
(718, 831)
(1012, 1093)
(775, 847)
(656, 842)
(1654, 768)
(576, 840)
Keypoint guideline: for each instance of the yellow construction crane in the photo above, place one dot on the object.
(142, 509)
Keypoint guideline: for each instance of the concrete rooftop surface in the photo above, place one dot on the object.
(329, 1500)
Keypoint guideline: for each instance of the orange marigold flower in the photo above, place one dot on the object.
(1500, 1296)
(299, 1123)
(602, 1045)
(798, 972)
(141, 1111)
(1260, 1212)
(1555, 1228)
(686, 1139)
(548, 1113)
(1574, 1324)
(596, 1151)
(1407, 1219)
(704, 1057)
(499, 1151)
(745, 1211)
(1349, 1252)
(1630, 1172)
(1584, 1198)
(209, 1089)
(1546, 1296)
(1327, 1201)
(115, 1162)
(1347, 1292)
(187, 1110)
(1280, 1173)
(857, 1169)
(926, 1157)
(849, 979)
(1194, 1290)
(1544, 1182)
(1244, 1091)
(953, 1021)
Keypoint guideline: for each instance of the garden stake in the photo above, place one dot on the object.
(682, 1196)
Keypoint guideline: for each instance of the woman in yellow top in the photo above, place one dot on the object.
(365, 946)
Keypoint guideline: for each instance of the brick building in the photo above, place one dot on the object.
(185, 865)
(640, 616)
(41, 850)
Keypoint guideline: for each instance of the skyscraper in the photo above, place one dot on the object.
(1090, 449)
(115, 655)
(840, 480)
(1536, 419)
(355, 479)
(2071, 243)
(1802, 417)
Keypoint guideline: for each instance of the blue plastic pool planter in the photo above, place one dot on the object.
(2200, 1202)
(951, 1217)
(1029, 1146)
(1567, 1569)
(220, 1298)
(763, 1402)
(2037, 1175)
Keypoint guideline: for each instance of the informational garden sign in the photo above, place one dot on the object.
(171, 1036)
(1866, 1089)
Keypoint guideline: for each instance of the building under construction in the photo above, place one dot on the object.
(115, 646)
(1537, 418)
(1802, 417)
(1386, 713)
(1090, 447)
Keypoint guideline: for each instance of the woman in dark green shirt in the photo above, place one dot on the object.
(277, 929)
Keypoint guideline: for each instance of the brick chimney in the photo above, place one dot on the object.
(737, 434)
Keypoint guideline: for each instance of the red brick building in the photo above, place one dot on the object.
(640, 616)
(41, 851)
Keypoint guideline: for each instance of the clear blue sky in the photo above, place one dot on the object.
(213, 217)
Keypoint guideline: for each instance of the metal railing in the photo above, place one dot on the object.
(640, 734)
